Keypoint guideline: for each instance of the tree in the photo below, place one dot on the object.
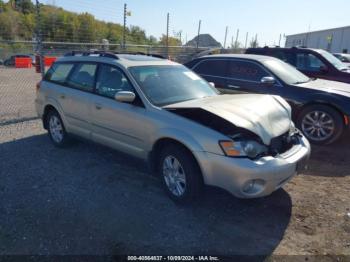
(172, 41)
(254, 43)
(24, 6)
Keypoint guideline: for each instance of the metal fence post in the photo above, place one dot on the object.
(39, 38)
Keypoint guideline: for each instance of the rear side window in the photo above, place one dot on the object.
(212, 67)
(59, 72)
(246, 70)
(83, 76)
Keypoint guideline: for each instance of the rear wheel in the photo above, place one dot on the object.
(321, 124)
(180, 174)
(57, 132)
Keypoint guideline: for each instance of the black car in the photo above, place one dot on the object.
(321, 108)
(312, 62)
(12, 59)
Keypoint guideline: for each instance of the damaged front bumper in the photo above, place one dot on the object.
(247, 178)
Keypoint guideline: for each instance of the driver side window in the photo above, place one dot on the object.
(111, 80)
(309, 62)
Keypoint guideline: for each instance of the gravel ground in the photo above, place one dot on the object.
(17, 94)
(88, 199)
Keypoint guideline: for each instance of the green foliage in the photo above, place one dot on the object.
(18, 22)
(172, 41)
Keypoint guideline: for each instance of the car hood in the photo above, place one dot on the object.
(328, 86)
(266, 116)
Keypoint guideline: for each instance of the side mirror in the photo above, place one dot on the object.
(268, 80)
(212, 84)
(323, 69)
(125, 96)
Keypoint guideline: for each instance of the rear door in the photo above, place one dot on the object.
(75, 97)
(213, 70)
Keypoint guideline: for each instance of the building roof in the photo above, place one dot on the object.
(323, 30)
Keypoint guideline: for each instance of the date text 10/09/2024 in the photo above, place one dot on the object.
(172, 258)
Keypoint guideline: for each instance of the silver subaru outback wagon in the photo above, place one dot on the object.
(162, 112)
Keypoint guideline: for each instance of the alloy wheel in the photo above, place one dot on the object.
(318, 125)
(56, 129)
(174, 176)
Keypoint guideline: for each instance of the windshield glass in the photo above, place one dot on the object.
(286, 72)
(165, 85)
(332, 59)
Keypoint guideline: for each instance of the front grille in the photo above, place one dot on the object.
(283, 143)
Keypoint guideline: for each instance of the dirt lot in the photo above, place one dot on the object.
(17, 94)
(88, 199)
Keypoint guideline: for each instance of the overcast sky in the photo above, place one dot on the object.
(267, 18)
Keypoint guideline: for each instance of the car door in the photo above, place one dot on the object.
(75, 97)
(311, 65)
(116, 124)
(244, 76)
(214, 71)
(70, 85)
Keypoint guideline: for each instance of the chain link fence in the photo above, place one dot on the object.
(44, 24)
(17, 85)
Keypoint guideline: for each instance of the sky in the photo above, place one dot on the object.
(266, 18)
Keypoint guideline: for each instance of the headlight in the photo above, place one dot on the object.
(249, 148)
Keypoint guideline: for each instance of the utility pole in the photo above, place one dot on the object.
(225, 37)
(124, 27)
(199, 31)
(39, 39)
(167, 35)
(126, 13)
(279, 41)
(246, 40)
(236, 43)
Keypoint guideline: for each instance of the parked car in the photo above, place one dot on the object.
(312, 62)
(345, 58)
(11, 60)
(321, 108)
(162, 112)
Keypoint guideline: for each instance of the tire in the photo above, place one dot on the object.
(324, 131)
(188, 176)
(56, 129)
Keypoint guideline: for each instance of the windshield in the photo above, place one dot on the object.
(165, 85)
(286, 72)
(332, 59)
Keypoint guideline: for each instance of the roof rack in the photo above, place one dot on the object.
(95, 52)
(109, 54)
(140, 53)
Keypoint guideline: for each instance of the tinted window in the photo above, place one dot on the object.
(212, 67)
(58, 72)
(111, 80)
(287, 57)
(246, 71)
(308, 62)
(83, 76)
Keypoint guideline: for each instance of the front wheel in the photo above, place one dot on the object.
(180, 174)
(321, 124)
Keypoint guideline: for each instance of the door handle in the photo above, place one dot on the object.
(62, 96)
(98, 106)
(232, 86)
